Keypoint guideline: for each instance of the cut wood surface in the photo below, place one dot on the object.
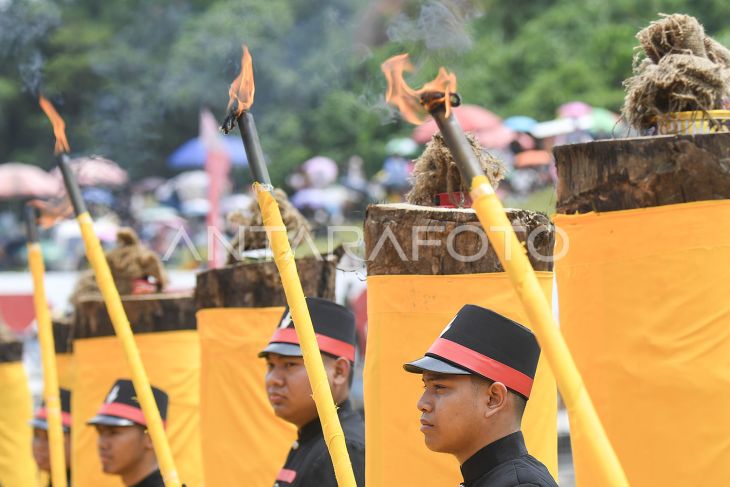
(258, 284)
(641, 172)
(408, 239)
(147, 313)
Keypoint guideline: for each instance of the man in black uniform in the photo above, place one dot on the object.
(125, 447)
(287, 385)
(477, 376)
(41, 448)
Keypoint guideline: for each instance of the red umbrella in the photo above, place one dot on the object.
(18, 180)
(498, 137)
(96, 171)
(530, 158)
(472, 118)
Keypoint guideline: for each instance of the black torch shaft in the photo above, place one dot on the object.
(457, 143)
(72, 187)
(31, 223)
(252, 144)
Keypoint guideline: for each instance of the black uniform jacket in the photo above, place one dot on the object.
(505, 463)
(309, 463)
(152, 480)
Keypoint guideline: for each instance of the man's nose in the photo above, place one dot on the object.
(424, 404)
(274, 377)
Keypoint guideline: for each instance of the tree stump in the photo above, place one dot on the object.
(146, 313)
(63, 336)
(11, 349)
(641, 172)
(408, 239)
(258, 284)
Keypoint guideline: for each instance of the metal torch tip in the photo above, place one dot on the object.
(433, 99)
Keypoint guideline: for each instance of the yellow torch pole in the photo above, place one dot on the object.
(122, 328)
(48, 354)
(326, 409)
(513, 257)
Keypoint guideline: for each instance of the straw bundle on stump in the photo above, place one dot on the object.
(135, 269)
(456, 239)
(436, 171)
(246, 282)
(678, 69)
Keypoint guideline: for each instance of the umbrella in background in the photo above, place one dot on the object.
(401, 146)
(321, 171)
(520, 123)
(532, 158)
(194, 153)
(498, 137)
(574, 109)
(159, 214)
(95, 171)
(603, 120)
(18, 180)
(235, 202)
(191, 184)
(472, 118)
(98, 196)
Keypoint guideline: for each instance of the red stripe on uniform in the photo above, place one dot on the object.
(481, 364)
(326, 344)
(286, 475)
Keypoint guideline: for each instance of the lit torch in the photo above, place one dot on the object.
(241, 96)
(436, 98)
(240, 100)
(122, 328)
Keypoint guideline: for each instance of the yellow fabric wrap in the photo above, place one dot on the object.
(172, 361)
(405, 315)
(65, 367)
(644, 307)
(17, 467)
(243, 441)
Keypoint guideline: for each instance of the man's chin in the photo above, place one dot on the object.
(433, 444)
(108, 468)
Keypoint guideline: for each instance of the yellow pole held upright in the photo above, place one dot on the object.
(123, 330)
(50, 373)
(514, 259)
(326, 408)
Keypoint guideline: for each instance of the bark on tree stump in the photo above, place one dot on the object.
(146, 313)
(258, 284)
(11, 349)
(641, 172)
(63, 336)
(457, 244)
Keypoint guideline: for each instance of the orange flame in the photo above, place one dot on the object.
(409, 101)
(53, 210)
(59, 126)
(242, 89)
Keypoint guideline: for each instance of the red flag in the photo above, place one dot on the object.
(217, 165)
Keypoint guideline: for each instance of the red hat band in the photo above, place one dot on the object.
(125, 411)
(482, 365)
(326, 344)
(65, 417)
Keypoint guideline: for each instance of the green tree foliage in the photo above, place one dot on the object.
(130, 76)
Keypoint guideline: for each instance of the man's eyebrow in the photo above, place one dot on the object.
(437, 377)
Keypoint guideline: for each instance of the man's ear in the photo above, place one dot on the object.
(341, 370)
(496, 398)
